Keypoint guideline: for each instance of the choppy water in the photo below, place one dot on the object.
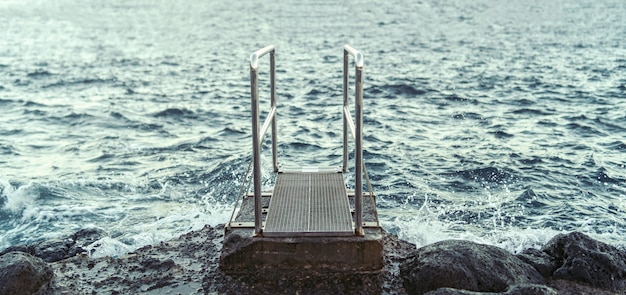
(495, 121)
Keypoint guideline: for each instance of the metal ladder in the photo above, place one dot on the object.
(308, 202)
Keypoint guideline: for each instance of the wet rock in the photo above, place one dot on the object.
(452, 291)
(178, 266)
(58, 249)
(515, 290)
(573, 288)
(582, 259)
(530, 289)
(52, 250)
(84, 238)
(30, 249)
(465, 265)
(396, 252)
(21, 273)
(541, 261)
(189, 264)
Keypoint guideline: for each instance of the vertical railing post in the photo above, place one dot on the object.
(257, 134)
(256, 148)
(358, 201)
(273, 98)
(346, 56)
(357, 132)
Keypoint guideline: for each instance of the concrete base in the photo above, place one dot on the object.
(243, 252)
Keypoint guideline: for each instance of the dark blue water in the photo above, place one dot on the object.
(498, 122)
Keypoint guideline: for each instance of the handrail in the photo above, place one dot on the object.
(356, 129)
(257, 135)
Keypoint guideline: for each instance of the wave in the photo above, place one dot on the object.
(615, 146)
(458, 98)
(501, 134)
(8, 150)
(533, 112)
(532, 201)
(4, 101)
(602, 177)
(79, 82)
(470, 116)
(71, 119)
(584, 130)
(487, 174)
(394, 91)
(38, 74)
(18, 199)
(174, 113)
(534, 160)
(606, 124)
(231, 131)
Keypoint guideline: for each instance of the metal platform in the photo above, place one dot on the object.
(309, 204)
(309, 222)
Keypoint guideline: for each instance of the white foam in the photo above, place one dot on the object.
(424, 230)
(108, 247)
(18, 199)
(173, 224)
(423, 227)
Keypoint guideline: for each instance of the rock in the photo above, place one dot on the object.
(396, 252)
(52, 250)
(465, 265)
(582, 259)
(30, 249)
(189, 264)
(540, 260)
(526, 289)
(573, 288)
(530, 289)
(452, 291)
(84, 238)
(63, 248)
(178, 266)
(21, 273)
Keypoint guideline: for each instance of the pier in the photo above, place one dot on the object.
(309, 220)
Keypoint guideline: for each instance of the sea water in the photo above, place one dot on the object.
(494, 121)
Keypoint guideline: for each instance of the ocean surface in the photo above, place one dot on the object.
(500, 122)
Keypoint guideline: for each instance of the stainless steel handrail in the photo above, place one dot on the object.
(356, 130)
(257, 135)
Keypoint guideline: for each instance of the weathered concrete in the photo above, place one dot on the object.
(244, 252)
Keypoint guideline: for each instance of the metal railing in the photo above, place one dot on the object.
(257, 135)
(355, 129)
(348, 124)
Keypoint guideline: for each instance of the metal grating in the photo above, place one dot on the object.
(309, 204)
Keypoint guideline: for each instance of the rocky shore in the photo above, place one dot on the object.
(568, 264)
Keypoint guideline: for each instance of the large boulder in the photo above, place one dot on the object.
(579, 258)
(21, 273)
(467, 266)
